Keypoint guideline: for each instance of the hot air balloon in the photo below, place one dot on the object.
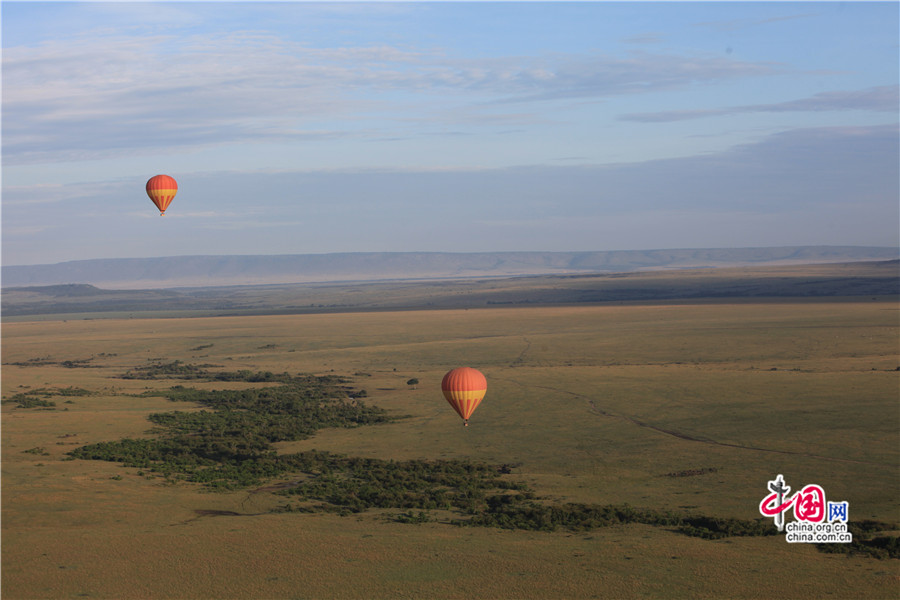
(162, 189)
(464, 388)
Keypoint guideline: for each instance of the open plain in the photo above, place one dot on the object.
(688, 406)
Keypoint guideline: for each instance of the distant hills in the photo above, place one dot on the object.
(860, 280)
(237, 270)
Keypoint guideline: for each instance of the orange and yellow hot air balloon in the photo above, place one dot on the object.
(162, 189)
(464, 389)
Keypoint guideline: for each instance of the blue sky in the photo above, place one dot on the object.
(451, 126)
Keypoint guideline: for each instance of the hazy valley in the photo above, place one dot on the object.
(868, 279)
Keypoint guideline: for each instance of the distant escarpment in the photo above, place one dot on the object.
(205, 271)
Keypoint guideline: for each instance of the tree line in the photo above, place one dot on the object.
(227, 446)
(38, 398)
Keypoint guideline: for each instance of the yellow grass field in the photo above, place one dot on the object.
(593, 404)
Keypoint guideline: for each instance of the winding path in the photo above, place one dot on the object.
(683, 436)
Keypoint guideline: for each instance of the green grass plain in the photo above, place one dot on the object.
(594, 404)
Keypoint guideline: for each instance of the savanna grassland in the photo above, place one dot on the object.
(687, 408)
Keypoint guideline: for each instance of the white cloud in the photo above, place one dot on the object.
(99, 96)
(809, 186)
(751, 22)
(52, 193)
(885, 98)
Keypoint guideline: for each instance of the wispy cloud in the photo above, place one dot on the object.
(875, 99)
(635, 73)
(53, 193)
(745, 23)
(817, 185)
(18, 231)
(644, 38)
(428, 126)
(99, 96)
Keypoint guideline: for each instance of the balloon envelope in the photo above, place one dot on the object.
(162, 189)
(464, 388)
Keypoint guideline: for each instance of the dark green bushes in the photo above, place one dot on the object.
(229, 446)
(716, 528)
(866, 542)
(357, 484)
(175, 369)
(483, 498)
(520, 512)
(38, 398)
(25, 400)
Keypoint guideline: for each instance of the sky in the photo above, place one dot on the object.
(319, 127)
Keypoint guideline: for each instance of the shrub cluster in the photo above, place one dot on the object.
(171, 370)
(230, 446)
(512, 512)
(177, 369)
(351, 485)
(26, 400)
(478, 491)
(38, 398)
(866, 541)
